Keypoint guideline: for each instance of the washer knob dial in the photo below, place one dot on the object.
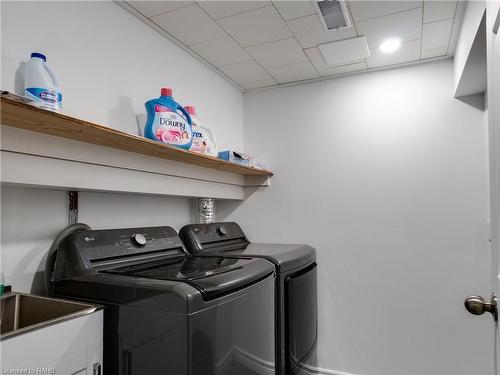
(139, 240)
(222, 231)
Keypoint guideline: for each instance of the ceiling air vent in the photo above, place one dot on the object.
(333, 14)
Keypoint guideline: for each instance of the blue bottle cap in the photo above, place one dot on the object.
(39, 55)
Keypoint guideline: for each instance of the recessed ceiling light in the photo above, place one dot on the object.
(390, 45)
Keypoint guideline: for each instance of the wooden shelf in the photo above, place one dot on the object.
(25, 116)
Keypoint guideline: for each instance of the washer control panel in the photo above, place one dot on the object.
(114, 243)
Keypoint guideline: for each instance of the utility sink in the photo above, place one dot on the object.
(21, 312)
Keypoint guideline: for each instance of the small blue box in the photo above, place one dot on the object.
(235, 157)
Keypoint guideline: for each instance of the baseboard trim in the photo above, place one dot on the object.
(248, 360)
(262, 366)
(311, 370)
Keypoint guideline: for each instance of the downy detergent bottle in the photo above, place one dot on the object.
(203, 137)
(41, 84)
(167, 121)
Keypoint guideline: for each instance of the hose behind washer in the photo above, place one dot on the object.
(52, 253)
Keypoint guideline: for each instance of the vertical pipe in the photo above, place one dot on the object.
(206, 210)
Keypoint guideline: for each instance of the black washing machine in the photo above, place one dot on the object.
(166, 312)
(296, 286)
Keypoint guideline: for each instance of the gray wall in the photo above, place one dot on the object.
(385, 174)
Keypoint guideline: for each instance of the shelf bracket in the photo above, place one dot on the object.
(72, 207)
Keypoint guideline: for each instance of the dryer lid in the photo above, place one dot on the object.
(228, 239)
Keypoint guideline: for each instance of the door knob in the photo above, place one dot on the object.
(477, 305)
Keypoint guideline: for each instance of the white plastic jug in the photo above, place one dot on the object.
(41, 84)
(203, 137)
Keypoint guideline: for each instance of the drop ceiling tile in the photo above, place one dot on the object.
(406, 25)
(318, 60)
(295, 72)
(258, 84)
(439, 10)
(344, 51)
(344, 69)
(295, 9)
(174, 23)
(153, 8)
(362, 10)
(437, 34)
(281, 52)
(220, 52)
(409, 51)
(244, 72)
(436, 52)
(256, 27)
(220, 9)
(310, 32)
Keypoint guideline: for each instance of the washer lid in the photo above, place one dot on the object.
(212, 276)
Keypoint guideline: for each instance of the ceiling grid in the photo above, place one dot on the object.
(257, 44)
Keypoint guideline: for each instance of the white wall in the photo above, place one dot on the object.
(109, 63)
(385, 174)
(473, 13)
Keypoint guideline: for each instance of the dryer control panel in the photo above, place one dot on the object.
(200, 237)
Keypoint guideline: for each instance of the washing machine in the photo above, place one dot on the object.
(296, 287)
(166, 312)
